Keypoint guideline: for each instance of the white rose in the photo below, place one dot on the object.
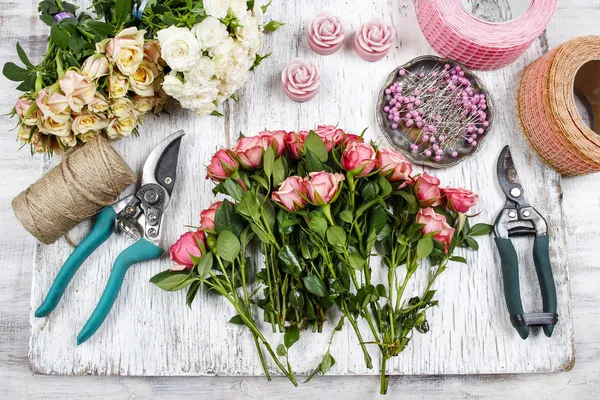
(223, 66)
(250, 34)
(257, 13)
(205, 109)
(225, 48)
(238, 7)
(239, 52)
(210, 32)
(202, 72)
(216, 8)
(172, 85)
(238, 75)
(179, 47)
(199, 97)
(85, 123)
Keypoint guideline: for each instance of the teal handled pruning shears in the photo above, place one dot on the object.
(140, 216)
(518, 218)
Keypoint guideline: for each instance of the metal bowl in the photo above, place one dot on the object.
(402, 137)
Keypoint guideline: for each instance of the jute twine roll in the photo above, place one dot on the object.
(85, 181)
(547, 108)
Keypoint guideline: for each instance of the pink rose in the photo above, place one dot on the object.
(53, 105)
(22, 106)
(460, 200)
(292, 193)
(95, 67)
(436, 223)
(185, 246)
(207, 217)
(249, 150)
(295, 142)
(359, 158)
(78, 89)
(350, 138)
(300, 80)
(373, 39)
(330, 135)
(323, 187)
(428, 190)
(152, 52)
(275, 139)
(222, 165)
(393, 166)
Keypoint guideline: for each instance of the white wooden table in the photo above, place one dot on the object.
(16, 380)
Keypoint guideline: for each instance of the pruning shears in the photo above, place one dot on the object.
(519, 218)
(139, 216)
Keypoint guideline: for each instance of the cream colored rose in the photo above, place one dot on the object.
(27, 134)
(95, 67)
(84, 123)
(172, 85)
(202, 72)
(32, 118)
(144, 104)
(86, 137)
(57, 127)
(121, 107)
(216, 8)
(99, 104)
(142, 80)
(180, 48)
(210, 32)
(126, 50)
(118, 86)
(121, 127)
(68, 141)
(51, 103)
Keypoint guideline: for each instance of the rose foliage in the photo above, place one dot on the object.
(320, 203)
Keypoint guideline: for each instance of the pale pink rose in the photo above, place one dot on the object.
(22, 106)
(350, 138)
(152, 52)
(359, 158)
(222, 165)
(292, 193)
(126, 50)
(460, 200)
(323, 187)
(436, 223)
(428, 190)
(53, 105)
(326, 34)
(95, 67)
(300, 80)
(185, 246)
(295, 142)
(275, 139)
(207, 217)
(393, 166)
(373, 39)
(330, 135)
(78, 89)
(249, 150)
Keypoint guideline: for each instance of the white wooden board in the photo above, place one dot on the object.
(150, 332)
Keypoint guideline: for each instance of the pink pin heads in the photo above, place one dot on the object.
(300, 80)
(326, 34)
(373, 39)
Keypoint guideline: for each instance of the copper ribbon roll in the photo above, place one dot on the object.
(547, 108)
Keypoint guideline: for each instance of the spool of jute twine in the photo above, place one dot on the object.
(548, 111)
(85, 181)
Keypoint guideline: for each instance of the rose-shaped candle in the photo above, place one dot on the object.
(326, 34)
(300, 80)
(373, 40)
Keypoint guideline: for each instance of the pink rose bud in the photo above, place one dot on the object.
(323, 187)
(207, 217)
(460, 200)
(393, 166)
(295, 142)
(326, 34)
(300, 80)
(351, 138)
(436, 223)
(330, 135)
(222, 165)
(249, 150)
(373, 40)
(275, 139)
(359, 159)
(185, 246)
(292, 193)
(22, 106)
(428, 190)
(95, 67)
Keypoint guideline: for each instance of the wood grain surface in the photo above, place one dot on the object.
(350, 104)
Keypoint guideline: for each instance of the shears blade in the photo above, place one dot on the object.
(161, 165)
(508, 177)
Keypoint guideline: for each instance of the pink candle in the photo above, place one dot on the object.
(300, 80)
(326, 34)
(373, 39)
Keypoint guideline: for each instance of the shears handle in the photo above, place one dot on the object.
(142, 250)
(101, 231)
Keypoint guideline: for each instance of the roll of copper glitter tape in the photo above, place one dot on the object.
(548, 111)
(481, 45)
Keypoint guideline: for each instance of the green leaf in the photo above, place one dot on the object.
(23, 57)
(346, 216)
(217, 113)
(15, 73)
(205, 265)
(122, 11)
(290, 260)
(246, 236)
(269, 213)
(226, 219)
(281, 350)
(279, 171)
(315, 145)
(411, 201)
(101, 28)
(327, 363)
(258, 60)
(228, 246)
(313, 164)
(262, 235)
(481, 230)
(368, 205)
(356, 261)
(236, 320)
(458, 259)
(191, 293)
(273, 25)
(424, 247)
(318, 224)
(172, 281)
(472, 243)
(249, 206)
(261, 181)
(381, 290)
(291, 336)
(336, 236)
(385, 185)
(268, 161)
(296, 299)
(264, 8)
(233, 189)
(315, 285)
(59, 36)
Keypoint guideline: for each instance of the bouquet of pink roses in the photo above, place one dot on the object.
(320, 204)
